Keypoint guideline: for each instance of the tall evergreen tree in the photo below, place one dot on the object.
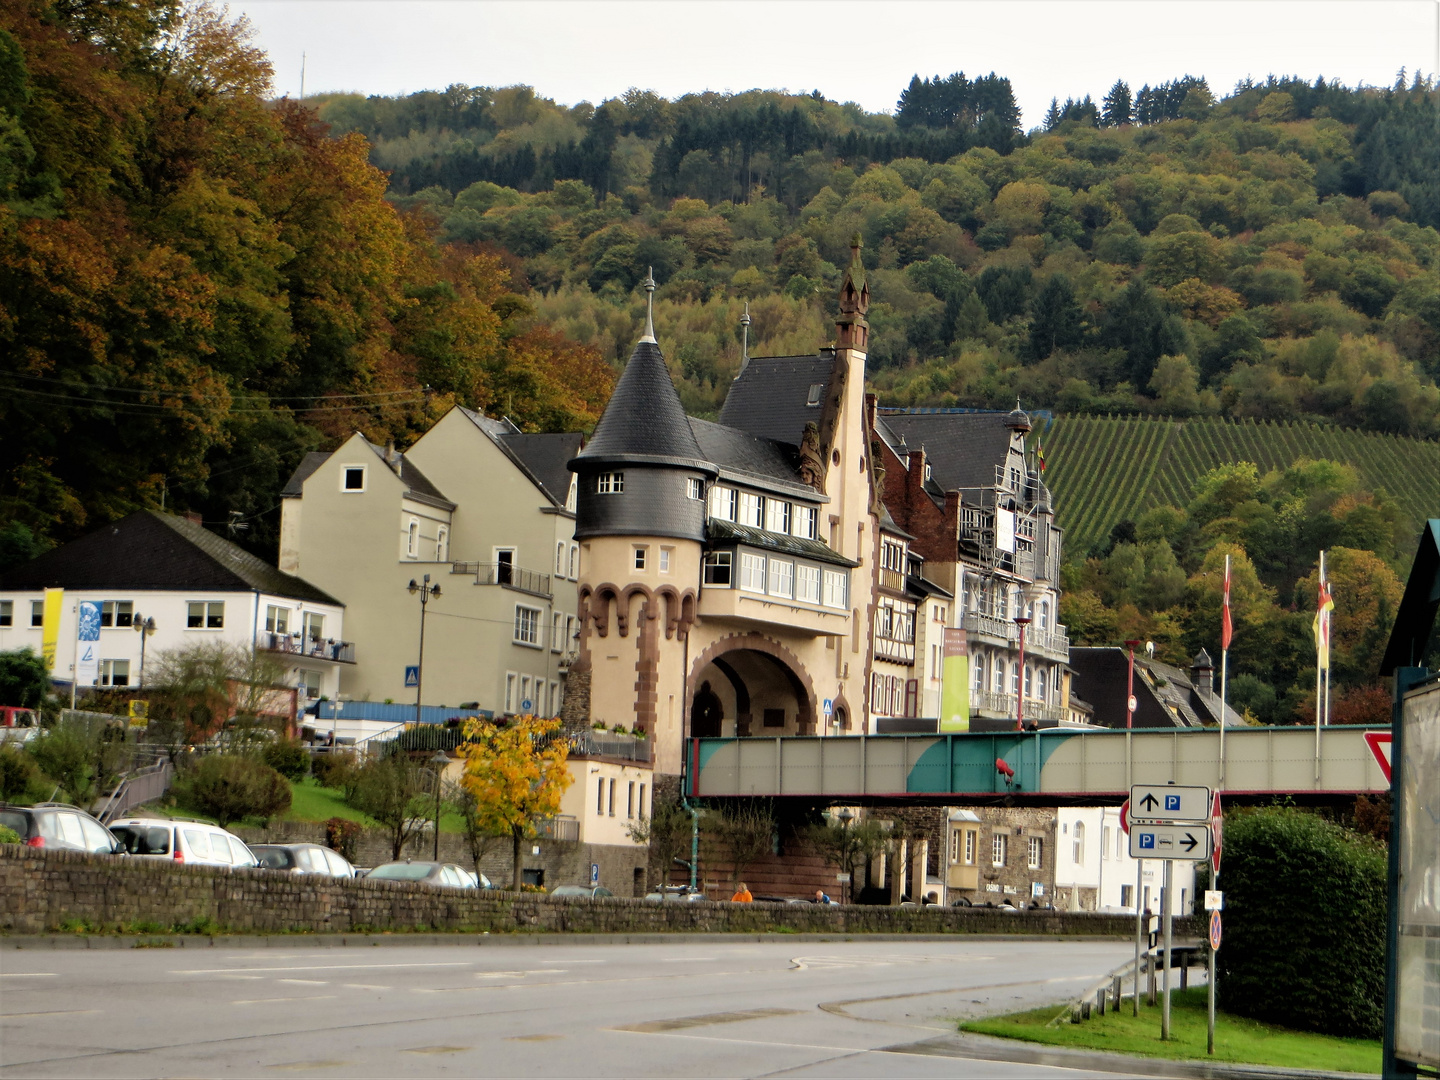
(1052, 116)
(1117, 105)
(1057, 321)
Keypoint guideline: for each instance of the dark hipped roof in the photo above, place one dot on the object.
(644, 418)
(738, 452)
(151, 550)
(295, 486)
(768, 399)
(1415, 621)
(962, 448)
(718, 531)
(546, 457)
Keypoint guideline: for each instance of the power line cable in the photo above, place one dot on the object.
(240, 391)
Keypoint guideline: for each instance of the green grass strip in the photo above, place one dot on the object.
(1236, 1038)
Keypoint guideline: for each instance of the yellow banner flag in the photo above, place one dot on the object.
(50, 627)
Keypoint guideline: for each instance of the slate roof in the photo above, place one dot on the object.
(719, 531)
(294, 487)
(417, 486)
(962, 448)
(644, 418)
(546, 456)
(150, 550)
(738, 452)
(768, 399)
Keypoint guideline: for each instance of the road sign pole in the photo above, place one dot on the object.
(1210, 995)
(1139, 927)
(1165, 899)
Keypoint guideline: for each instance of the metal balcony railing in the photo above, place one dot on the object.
(507, 575)
(892, 579)
(999, 704)
(297, 645)
(561, 827)
(1054, 643)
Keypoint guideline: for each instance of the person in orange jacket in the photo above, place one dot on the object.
(742, 895)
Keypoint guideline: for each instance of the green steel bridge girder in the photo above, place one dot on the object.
(1052, 767)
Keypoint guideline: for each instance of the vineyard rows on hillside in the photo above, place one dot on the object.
(1107, 469)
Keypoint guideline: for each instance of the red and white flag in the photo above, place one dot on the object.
(1227, 628)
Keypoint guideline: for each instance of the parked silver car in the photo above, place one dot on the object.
(182, 840)
(303, 859)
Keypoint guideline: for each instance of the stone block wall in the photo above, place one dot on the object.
(42, 891)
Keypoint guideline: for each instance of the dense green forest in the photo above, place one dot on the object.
(1270, 254)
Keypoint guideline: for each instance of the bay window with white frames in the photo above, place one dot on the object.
(752, 572)
(752, 510)
(807, 583)
(777, 514)
(837, 593)
(782, 578)
(803, 521)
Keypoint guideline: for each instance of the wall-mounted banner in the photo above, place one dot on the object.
(1005, 530)
(955, 683)
(50, 626)
(87, 644)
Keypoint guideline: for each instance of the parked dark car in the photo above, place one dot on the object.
(303, 859)
(60, 825)
(590, 892)
(446, 875)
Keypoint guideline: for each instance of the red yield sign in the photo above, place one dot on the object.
(1379, 743)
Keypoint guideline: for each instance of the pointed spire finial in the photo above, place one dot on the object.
(649, 284)
(744, 339)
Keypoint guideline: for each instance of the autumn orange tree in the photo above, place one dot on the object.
(517, 773)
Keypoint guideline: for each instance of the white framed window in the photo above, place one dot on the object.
(720, 568)
(1042, 688)
(782, 578)
(114, 672)
(802, 521)
(309, 683)
(999, 844)
(630, 800)
(560, 559)
(665, 554)
(277, 619)
(1079, 842)
(971, 838)
(998, 685)
(527, 698)
(816, 394)
(807, 583)
(600, 797)
(777, 515)
(1014, 678)
(836, 592)
(892, 556)
(527, 625)
(1029, 681)
(1002, 603)
(612, 796)
(640, 807)
(640, 555)
(412, 538)
(7, 612)
(752, 572)
(557, 631)
(511, 679)
(695, 487)
(554, 699)
(314, 627)
(205, 615)
(977, 671)
(610, 483)
(442, 544)
(117, 613)
(574, 561)
(37, 612)
(1105, 842)
(352, 478)
(955, 836)
(1035, 848)
(752, 509)
(569, 632)
(724, 503)
(1043, 618)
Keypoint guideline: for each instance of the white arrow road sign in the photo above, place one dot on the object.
(1166, 802)
(1186, 843)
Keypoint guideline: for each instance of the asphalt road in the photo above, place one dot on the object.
(694, 1008)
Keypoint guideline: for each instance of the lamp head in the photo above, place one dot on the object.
(412, 587)
(435, 590)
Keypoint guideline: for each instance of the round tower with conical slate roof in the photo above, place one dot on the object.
(642, 482)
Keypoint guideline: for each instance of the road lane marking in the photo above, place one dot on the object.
(655, 1026)
(305, 1066)
(364, 986)
(57, 1012)
(532, 1038)
(318, 967)
(437, 1049)
(278, 1000)
(305, 982)
(686, 959)
(28, 975)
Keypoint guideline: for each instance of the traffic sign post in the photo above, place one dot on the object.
(1190, 843)
(1214, 901)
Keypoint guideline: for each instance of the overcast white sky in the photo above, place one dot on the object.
(574, 50)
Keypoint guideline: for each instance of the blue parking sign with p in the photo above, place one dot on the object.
(1147, 839)
(1172, 802)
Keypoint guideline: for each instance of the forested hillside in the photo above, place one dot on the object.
(198, 285)
(1270, 254)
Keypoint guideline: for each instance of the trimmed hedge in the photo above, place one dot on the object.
(1304, 918)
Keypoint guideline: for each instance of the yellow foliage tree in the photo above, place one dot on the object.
(517, 774)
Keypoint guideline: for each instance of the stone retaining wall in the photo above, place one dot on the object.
(49, 890)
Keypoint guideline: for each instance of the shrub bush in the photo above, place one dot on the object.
(333, 770)
(17, 769)
(343, 835)
(1304, 917)
(288, 757)
(8, 835)
(231, 787)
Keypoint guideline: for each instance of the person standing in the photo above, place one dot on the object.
(742, 895)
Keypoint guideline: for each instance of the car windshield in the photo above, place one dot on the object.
(144, 839)
(11, 820)
(400, 871)
(273, 858)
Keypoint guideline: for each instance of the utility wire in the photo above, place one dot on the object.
(146, 409)
(241, 391)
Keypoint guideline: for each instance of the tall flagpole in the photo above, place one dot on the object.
(1226, 629)
(1320, 659)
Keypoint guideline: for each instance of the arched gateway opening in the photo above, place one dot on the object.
(750, 685)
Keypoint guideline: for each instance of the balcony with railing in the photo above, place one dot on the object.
(506, 575)
(1052, 644)
(994, 703)
(560, 827)
(339, 652)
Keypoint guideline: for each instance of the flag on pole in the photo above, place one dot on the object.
(1324, 605)
(1040, 455)
(1227, 628)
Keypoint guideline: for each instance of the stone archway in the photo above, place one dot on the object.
(762, 685)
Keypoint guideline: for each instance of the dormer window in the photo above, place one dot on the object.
(817, 390)
(927, 471)
(610, 483)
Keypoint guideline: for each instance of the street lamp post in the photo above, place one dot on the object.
(427, 592)
(144, 627)
(1021, 621)
(440, 760)
(846, 816)
(1130, 686)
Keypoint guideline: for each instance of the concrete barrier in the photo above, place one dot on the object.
(43, 891)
